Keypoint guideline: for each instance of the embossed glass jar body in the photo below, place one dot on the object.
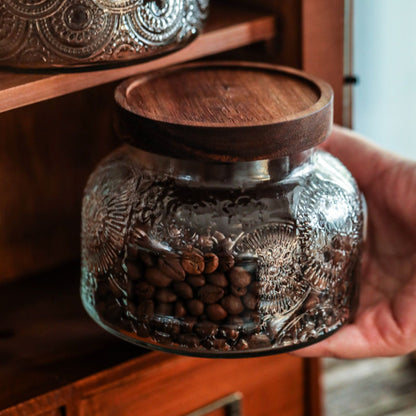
(221, 259)
(77, 33)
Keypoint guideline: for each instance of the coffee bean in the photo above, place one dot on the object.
(232, 304)
(168, 326)
(188, 340)
(236, 322)
(134, 270)
(162, 337)
(183, 290)
(145, 309)
(131, 308)
(206, 329)
(226, 245)
(218, 237)
(230, 334)
(126, 325)
(193, 262)
(255, 316)
(147, 258)
(250, 301)
(310, 302)
(251, 327)
(115, 289)
(102, 289)
(210, 294)
(179, 310)
(165, 309)
(207, 343)
(171, 267)
(142, 330)
(196, 281)
(238, 291)
(195, 307)
(166, 296)
(113, 313)
(157, 278)
(239, 277)
(255, 288)
(259, 341)
(242, 345)
(211, 263)
(145, 291)
(132, 251)
(205, 242)
(226, 261)
(218, 279)
(131, 289)
(216, 312)
(188, 324)
(221, 344)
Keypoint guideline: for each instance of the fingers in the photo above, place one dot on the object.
(363, 159)
(385, 179)
(347, 343)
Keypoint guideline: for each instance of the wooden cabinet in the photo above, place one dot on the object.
(54, 128)
(179, 386)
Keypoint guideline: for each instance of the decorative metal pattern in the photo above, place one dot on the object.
(275, 246)
(329, 219)
(108, 208)
(61, 33)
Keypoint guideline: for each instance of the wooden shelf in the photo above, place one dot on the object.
(47, 341)
(228, 28)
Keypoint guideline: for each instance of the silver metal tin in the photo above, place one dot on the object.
(77, 33)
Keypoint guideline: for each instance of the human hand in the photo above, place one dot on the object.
(385, 323)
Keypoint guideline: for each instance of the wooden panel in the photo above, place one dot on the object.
(57, 412)
(270, 386)
(42, 406)
(310, 35)
(323, 45)
(286, 47)
(313, 387)
(47, 152)
(227, 29)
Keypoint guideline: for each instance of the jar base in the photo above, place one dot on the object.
(201, 352)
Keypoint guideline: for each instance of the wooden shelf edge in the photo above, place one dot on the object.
(23, 89)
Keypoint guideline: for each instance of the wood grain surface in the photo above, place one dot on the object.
(269, 385)
(227, 111)
(310, 36)
(47, 152)
(323, 45)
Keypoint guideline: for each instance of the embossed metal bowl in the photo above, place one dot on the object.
(78, 33)
(230, 234)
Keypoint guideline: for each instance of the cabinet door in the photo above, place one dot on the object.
(187, 386)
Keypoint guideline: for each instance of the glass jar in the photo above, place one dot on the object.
(38, 34)
(217, 258)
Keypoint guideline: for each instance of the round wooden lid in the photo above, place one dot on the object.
(225, 111)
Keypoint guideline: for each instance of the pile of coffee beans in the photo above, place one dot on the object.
(196, 300)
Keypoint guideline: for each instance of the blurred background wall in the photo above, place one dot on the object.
(385, 63)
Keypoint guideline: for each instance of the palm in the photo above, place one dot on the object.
(385, 323)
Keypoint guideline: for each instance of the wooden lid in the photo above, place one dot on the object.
(225, 111)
